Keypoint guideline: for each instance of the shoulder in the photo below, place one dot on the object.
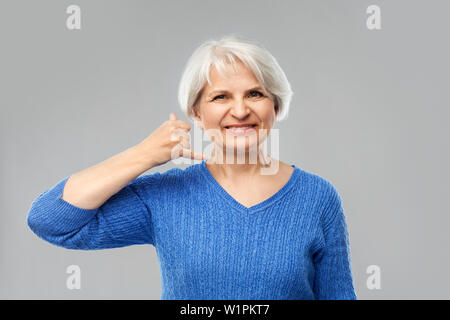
(320, 185)
(329, 204)
(321, 191)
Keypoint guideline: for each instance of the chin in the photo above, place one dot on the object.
(242, 146)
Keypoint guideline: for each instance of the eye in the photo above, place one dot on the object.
(222, 95)
(259, 93)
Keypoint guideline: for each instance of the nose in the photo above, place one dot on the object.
(240, 109)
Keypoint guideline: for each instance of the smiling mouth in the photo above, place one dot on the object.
(240, 131)
(245, 127)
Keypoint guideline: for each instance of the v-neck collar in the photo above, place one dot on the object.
(239, 206)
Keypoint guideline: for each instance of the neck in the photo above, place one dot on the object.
(238, 165)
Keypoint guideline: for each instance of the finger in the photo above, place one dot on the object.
(188, 153)
(184, 140)
(178, 134)
(172, 116)
(182, 124)
(185, 143)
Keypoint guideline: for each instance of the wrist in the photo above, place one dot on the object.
(141, 157)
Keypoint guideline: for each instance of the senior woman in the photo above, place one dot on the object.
(222, 229)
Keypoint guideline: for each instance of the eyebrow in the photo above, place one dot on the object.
(226, 91)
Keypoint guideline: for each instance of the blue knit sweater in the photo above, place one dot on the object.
(293, 245)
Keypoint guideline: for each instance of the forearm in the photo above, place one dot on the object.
(91, 187)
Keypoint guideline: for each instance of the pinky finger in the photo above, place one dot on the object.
(187, 153)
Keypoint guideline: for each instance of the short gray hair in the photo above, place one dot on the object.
(216, 53)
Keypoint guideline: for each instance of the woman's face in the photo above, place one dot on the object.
(235, 100)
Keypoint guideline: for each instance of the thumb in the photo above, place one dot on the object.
(173, 116)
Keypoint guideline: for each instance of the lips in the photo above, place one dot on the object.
(239, 126)
(240, 130)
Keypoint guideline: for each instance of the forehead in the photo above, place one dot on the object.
(235, 77)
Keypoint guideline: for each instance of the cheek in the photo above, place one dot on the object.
(212, 119)
(214, 114)
(268, 115)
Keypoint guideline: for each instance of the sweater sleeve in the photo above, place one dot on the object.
(124, 219)
(333, 274)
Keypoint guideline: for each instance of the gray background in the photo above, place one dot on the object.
(370, 113)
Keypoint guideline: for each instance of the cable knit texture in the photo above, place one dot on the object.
(293, 245)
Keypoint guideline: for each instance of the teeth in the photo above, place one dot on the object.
(236, 128)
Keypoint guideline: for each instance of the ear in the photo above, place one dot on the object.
(275, 103)
(197, 118)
